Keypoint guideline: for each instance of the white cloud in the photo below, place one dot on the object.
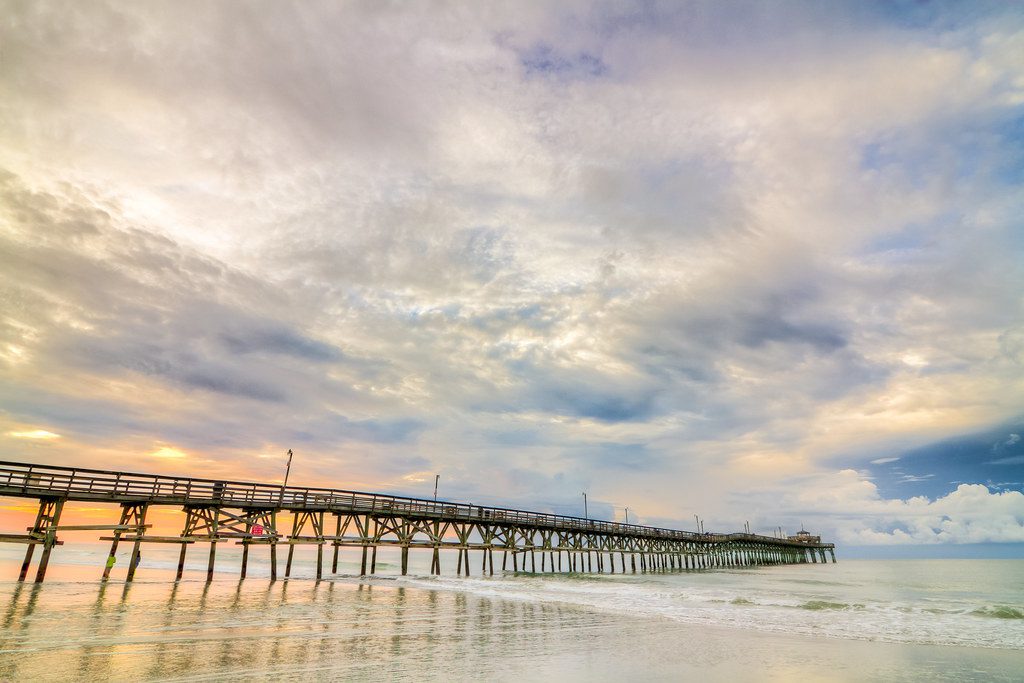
(851, 509)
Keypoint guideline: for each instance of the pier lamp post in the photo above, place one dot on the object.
(437, 478)
(586, 515)
(627, 515)
(287, 471)
(288, 468)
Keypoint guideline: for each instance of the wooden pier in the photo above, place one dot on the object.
(246, 513)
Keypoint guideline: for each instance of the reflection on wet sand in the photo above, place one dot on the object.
(161, 659)
(298, 630)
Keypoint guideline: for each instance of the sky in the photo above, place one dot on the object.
(749, 261)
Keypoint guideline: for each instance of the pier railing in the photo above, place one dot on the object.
(82, 484)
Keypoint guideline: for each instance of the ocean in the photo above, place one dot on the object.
(857, 620)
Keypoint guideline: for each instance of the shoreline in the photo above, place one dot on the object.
(138, 628)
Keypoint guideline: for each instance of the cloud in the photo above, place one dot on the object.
(537, 247)
(849, 508)
(916, 477)
(1011, 460)
(544, 60)
(33, 434)
(281, 341)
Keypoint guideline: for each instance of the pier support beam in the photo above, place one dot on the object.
(140, 521)
(301, 518)
(181, 561)
(245, 557)
(212, 561)
(131, 516)
(45, 527)
(201, 522)
(337, 545)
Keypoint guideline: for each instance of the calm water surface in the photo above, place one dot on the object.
(857, 620)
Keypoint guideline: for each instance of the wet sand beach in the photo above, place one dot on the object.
(510, 628)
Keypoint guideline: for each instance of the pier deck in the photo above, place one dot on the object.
(220, 510)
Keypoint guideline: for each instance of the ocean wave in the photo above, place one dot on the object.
(999, 612)
(817, 582)
(825, 604)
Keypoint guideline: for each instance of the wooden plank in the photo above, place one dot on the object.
(96, 527)
(24, 538)
(159, 539)
(258, 541)
(255, 537)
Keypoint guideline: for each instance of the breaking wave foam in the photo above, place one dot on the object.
(758, 600)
